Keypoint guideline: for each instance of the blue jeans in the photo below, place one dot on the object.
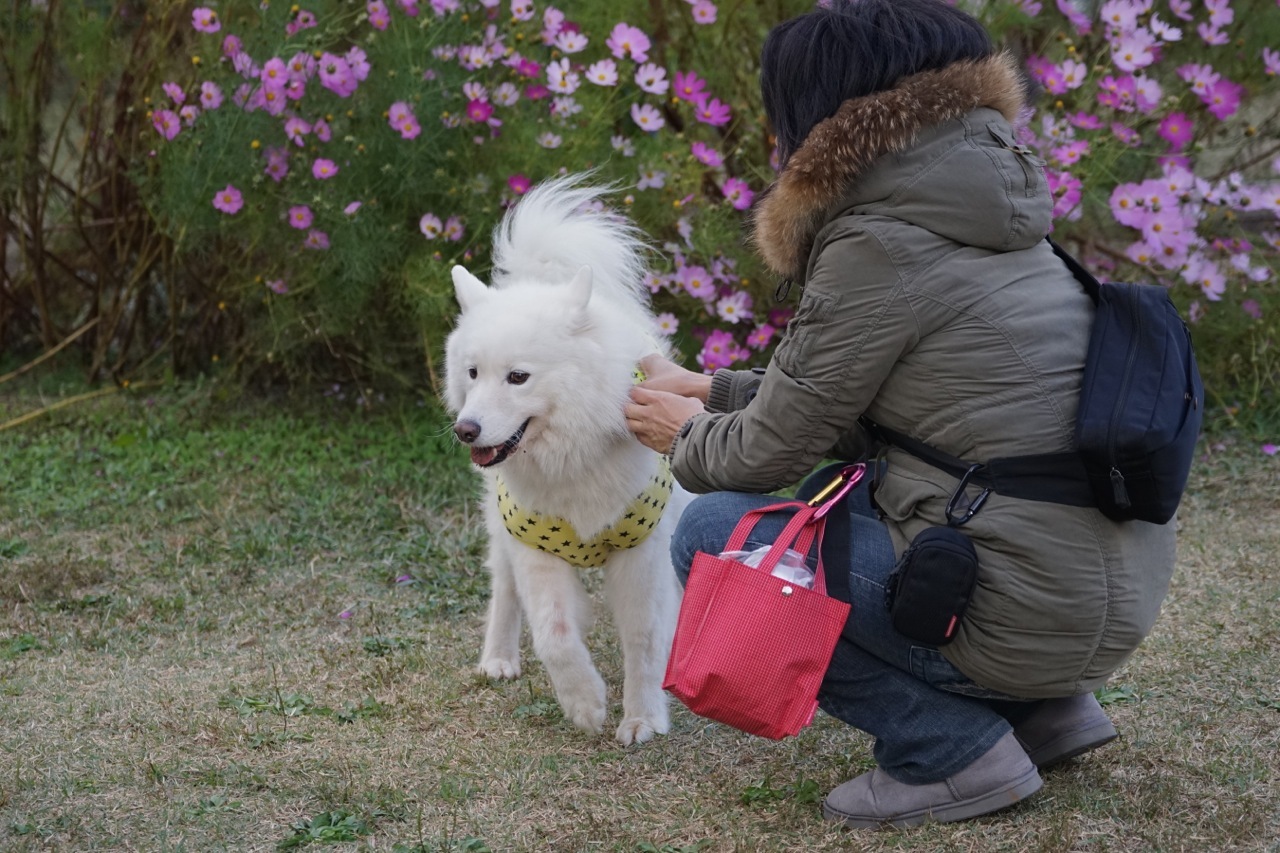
(929, 720)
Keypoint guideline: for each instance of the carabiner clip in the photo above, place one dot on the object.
(974, 505)
(837, 488)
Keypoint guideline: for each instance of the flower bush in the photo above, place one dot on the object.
(336, 158)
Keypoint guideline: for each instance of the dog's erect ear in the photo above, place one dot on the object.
(580, 289)
(470, 290)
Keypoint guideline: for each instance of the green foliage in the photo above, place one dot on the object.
(801, 791)
(325, 828)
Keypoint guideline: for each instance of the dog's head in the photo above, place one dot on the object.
(533, 364)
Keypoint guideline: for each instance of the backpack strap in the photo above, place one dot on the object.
(1086, 279)
(1050, 477)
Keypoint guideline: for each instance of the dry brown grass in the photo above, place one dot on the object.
(119, 729)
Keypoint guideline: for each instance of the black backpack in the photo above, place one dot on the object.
(1141, 404)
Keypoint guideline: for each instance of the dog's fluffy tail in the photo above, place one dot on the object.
(559, 227)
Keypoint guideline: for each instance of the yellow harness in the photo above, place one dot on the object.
(556, 536)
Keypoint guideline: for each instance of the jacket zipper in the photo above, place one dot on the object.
(1119, 493)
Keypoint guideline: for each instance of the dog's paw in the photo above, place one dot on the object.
(640, 730)
(499, 668)
(588, 716)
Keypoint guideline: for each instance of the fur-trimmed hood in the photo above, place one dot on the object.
(839, 165)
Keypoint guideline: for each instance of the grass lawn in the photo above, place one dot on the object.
(252, 626)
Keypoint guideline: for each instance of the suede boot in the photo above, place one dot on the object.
(1064, 728)
(1001, 777)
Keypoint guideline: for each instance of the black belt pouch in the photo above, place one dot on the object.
(930, 587)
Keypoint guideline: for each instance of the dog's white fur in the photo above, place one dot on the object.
(569, 309)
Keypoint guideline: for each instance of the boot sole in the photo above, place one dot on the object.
(1070, 745)
(992, 801)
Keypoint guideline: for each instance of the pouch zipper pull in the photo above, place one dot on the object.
(784, 287)
(1119, 493)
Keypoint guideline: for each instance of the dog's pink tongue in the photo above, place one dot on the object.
(483, 455)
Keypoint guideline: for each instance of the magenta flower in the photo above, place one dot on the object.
(453, 229)
(711, 111)
(706, 155)
(336, 75)
(166, 123)
(697, 282)
(379, 16)
(628, 41)
(1252, 308)
(228, 200)
(719, 350)
(738, 193)
(278, 286)
(205, 20)
(1223, 99)
(189, 113)
(231, 47)
(519, 184)
(294, 129)
(277, 163)
(1271, 61)
(351, 209)
(1176, 129)
(300, 216)
(175, 93)
(479, 111)
(316, 239)
(1270, 449)
(689, 86)
(324, 169)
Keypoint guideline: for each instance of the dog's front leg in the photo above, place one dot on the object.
(559, 613)
(500, 656)
(645, 598)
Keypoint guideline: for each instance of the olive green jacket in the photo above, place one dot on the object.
(932, 304)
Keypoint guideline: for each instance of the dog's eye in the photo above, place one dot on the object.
(517, 377)
(471, 371)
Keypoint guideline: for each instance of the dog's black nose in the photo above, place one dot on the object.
(466, 431)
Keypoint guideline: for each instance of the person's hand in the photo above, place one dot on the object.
(663, 375)
(655, 417)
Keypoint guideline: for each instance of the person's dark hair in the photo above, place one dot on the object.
(813, 63)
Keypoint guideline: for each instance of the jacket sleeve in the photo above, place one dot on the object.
(852, 325)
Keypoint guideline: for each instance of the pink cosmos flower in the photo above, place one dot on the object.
(1270, 449)
(274, 74)
(603, 73)
(324, 169)
(1176, 129)
(316, 239)
(706, 155)
(689, 86)
(189, 113)
(278, 286)
(704, 12)
(761, 337)
(210, 95)
(300, 217)
(277, 163)
(379, 15)
(738, 193)
(205, 20)
(667, 324)
(647, 117)
(522, 10)
(321, 130)
(711, 111)
(1134, 50)
(1078, 19)
(652, 79)
(697, 282)
(228, 200)
(571, 41)
(175, 93)
(735, 307)
(479, 111)
(1223, 99)
(518, 183)
(453, 229)
(294, 129)
(336, 75)
(628, 41)
(1067, 192)
(166, 123)
(430, 226)
(231, 47)
(719, 350)
(1071, 153)
(1252, 308)
(350, 210)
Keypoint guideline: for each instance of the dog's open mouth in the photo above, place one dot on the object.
(495, 453)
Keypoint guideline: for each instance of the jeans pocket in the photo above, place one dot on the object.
(931, 666)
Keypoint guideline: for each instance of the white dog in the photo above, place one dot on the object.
(538, 368)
